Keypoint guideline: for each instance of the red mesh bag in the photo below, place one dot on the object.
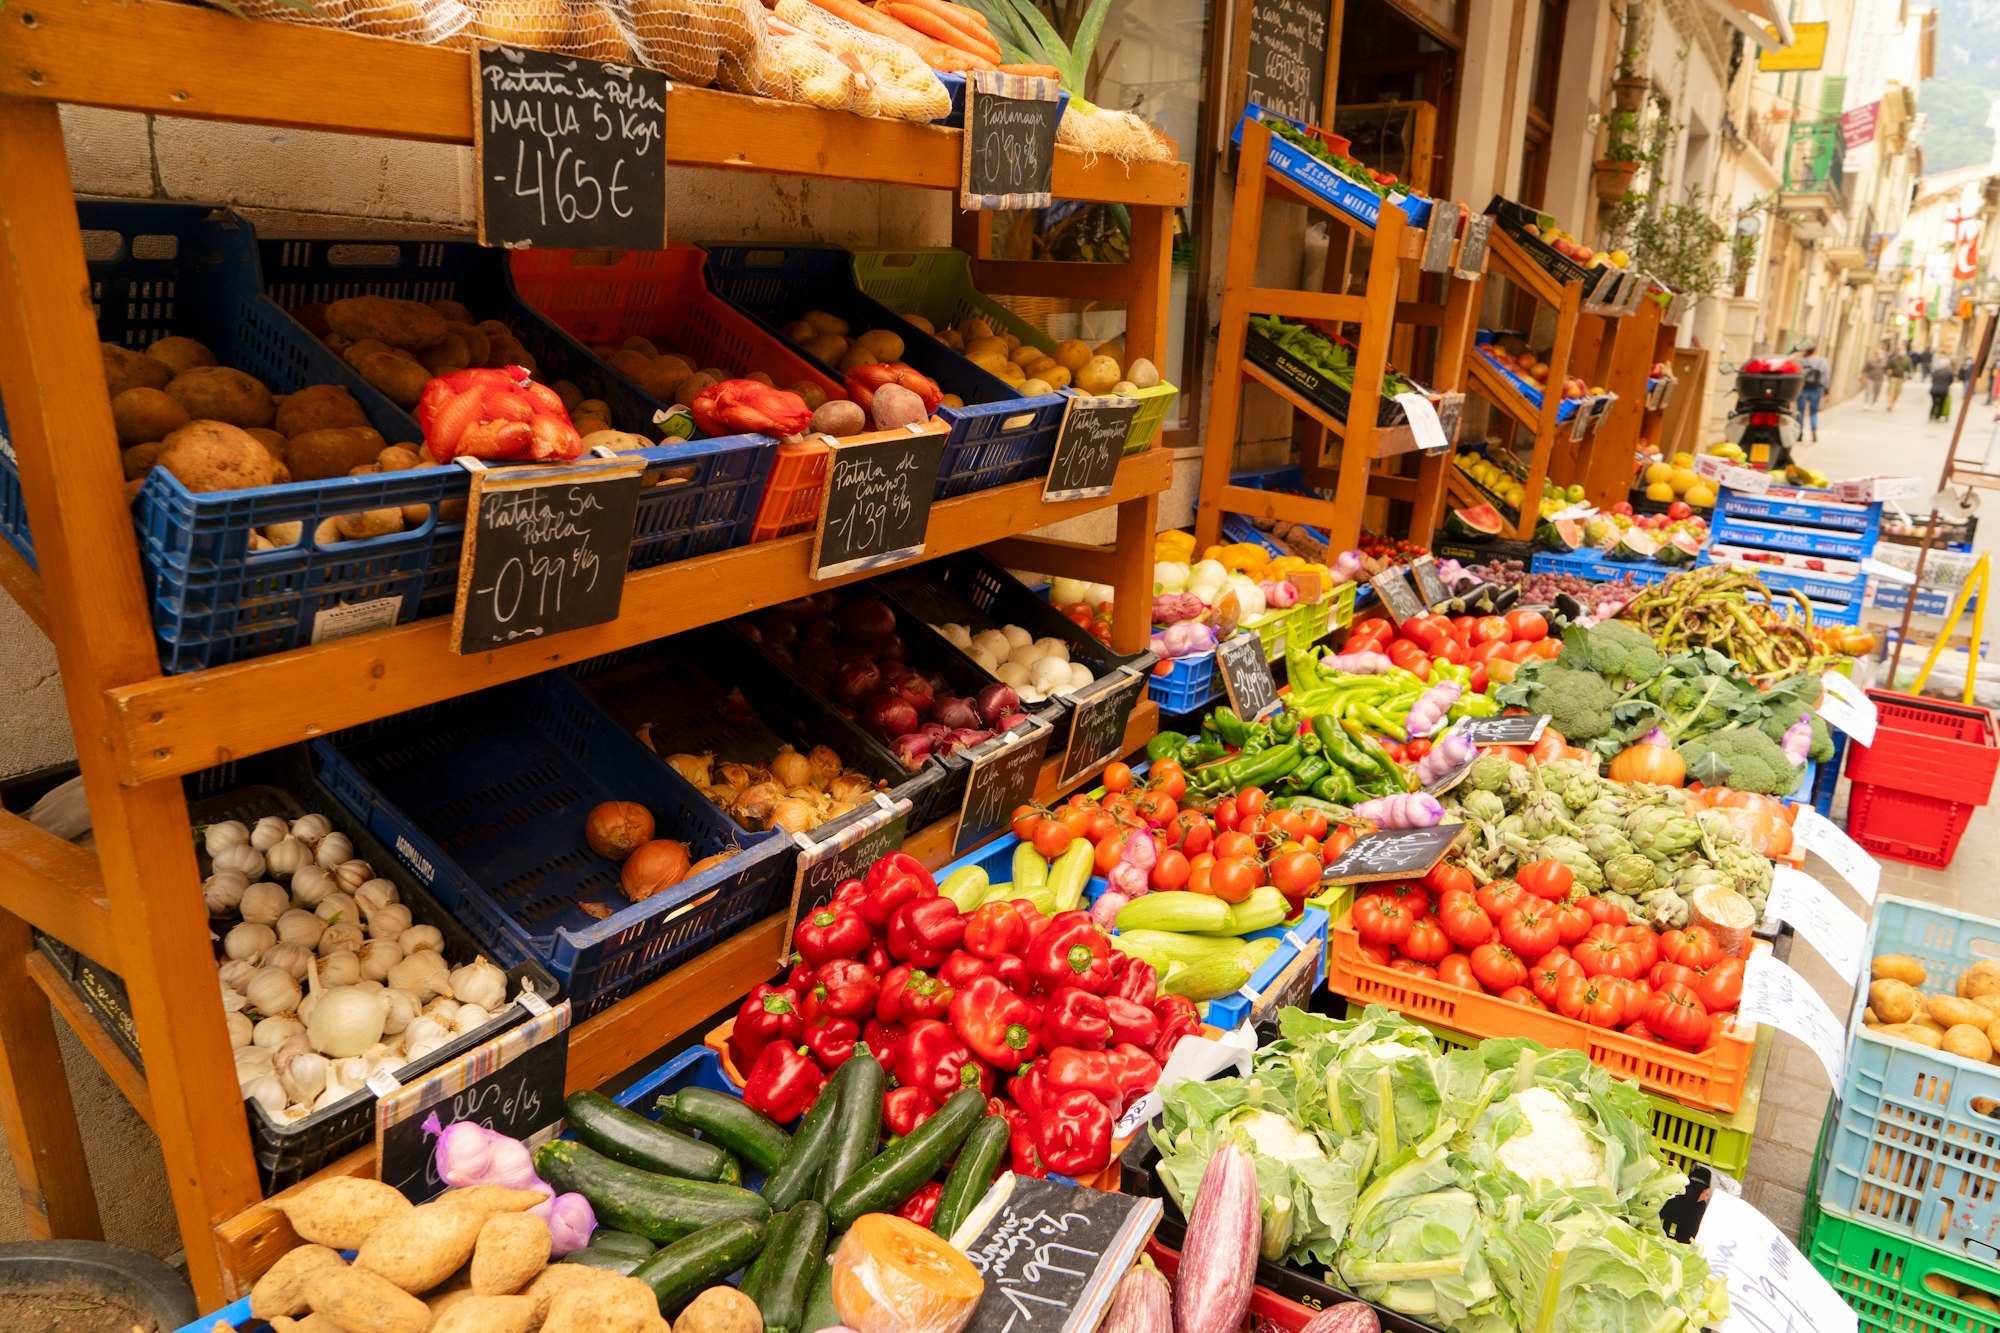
(495, 415)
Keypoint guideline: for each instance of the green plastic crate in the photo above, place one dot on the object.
(1342, 602)
(1895, 1284)
(937, 284)
(1681, 1134)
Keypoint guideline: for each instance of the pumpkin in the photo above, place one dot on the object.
(1764, 822)
(1660, 765)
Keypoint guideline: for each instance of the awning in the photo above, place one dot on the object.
(1757, 18)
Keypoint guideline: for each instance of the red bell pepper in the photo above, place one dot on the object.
(1073, 1134)
(849, 988)
(896, 879)
(1013, 972)
(924, 931)
(921, 1207)
(876, 958)
(1133, 979)
(937, 1060)
(768, 1014)
(910, 993)
(1178, 1018)
(996, 1023)
(850, 893)
(995, 929)
(1134, 1071)
(1030, 1086)
(800, 979)
(1092, 1071)
(1073, 951)
(903, 1109)
(783, 1084)
(1130, 1022)
(831, 1043)
(884, 1040)
(834, 931)
(1024, 1160)
(959, 969)
(1075, 1017)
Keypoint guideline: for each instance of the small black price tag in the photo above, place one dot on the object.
(1246, 675)
(1450, 408)
(1512, 729)
(546, 548)
(1398, 597)
(847, 855)
(1429, 586)
(1471, 261)
(1441, 234)
(876, 506)
(569, 153)
(1009, 155)
(1004, 773)
(1089, 449)
(1405, 853)
(1097, 735)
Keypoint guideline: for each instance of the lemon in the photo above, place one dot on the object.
(1682, 479)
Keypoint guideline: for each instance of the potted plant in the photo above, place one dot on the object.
(1629, 84)
(1623, 156)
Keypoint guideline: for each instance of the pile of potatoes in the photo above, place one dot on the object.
(674, 378)
(470, 1261)
(832, 341)
(1940, 1285)
(1075, 364)
(400, 346)
(1965, 1022)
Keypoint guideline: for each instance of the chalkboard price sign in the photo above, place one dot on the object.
(545, 550)
(1441, 235)
(1404, 853)
(1429, 586)
(847, 855)
(1097, 735)
(1471, 260)
(1089, 449)
(569, 152)
(1287, 63)
(1004, 772)
(1246, 674)
(1514, 729)
(1051, 1254)
(876, 506)
(1009, 155)
(1397, 595)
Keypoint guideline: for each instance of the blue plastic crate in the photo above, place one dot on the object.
(1816, 586)
(1587, 565)
(1527, 388)
(998, 437)
(1827, 780)
(1914, 1150)
(1191, 685)
(1787, 508)
(13, 504)
(1317, 177)
(1805, 541)
(485, 797)
(1803, 793)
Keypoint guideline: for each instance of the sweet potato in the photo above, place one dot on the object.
(511, 1249)
(342, 1211)
(424, 1246)
(558, 1280)
(622, 1305)
(486, 1314)
(364, 1302)
(493, 1199)
(282, 1289)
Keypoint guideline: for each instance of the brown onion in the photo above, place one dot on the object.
(825, 764)
(794, 816)
(789, 768)
(754, 804)
(709, 862)
(653, 866)
(615, 828)
(850, 786)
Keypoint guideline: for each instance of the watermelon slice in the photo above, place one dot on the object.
(1633, 545)
(1478, 522)
(1679, 549)
(1561, 534)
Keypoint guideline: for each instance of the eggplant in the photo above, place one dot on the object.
(1218, 1268)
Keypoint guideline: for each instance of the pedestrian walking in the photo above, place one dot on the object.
(1818, 371)
(1873, 371)
(1942, 375)
(1900, 367)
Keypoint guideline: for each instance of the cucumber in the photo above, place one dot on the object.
(819, 1306)
(781, 1279)
(611, 1261)
(984, 1153)
(1069, 875)
(679, 1272)
(901, 1169)
(621, 1242)
(628, 1137)
(661, 1208)
(796, 1176)
(728, 1121)
(857, 1122)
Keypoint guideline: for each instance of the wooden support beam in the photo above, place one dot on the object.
(1054, 557)
(37, 1113)
(20, 581)
(55, 886)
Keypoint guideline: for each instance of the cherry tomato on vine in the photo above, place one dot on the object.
(1052, 838)
(1235, 878)
(1196, 834)
(1167, 777)
(1076, 819)
(1251, 801)
(1109, 853)
(1170, 871)
(1200, 866)
(1156, 808)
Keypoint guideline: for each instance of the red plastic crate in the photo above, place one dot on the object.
(1930, 747)
(1906, 825)
(791, 497)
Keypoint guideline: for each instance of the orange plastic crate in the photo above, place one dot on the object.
(791, 497)
(1711, 1080)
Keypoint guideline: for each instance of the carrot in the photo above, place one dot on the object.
(973, 17)
(956, 61)
(871, 20)
(959, 17)
(1032, 71)
(930, 25)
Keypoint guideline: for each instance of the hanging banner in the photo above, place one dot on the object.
(1857, 127)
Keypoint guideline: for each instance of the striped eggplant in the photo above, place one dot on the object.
(1346, 1317)
(1219, 1258)
(1142, 1304)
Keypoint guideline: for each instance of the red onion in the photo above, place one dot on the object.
(1011, 721)
(750, 631)
(954, 712)
(962, 738)
(889, 647)
(870, 615)
(813, 604)
(917, 690)
(934, 730)
(911, 750)
(817, 631)
(857, 682)
(889, 716)
(778, 630)
(996, 701)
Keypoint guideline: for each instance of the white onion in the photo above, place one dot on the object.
(1079, 675)
(480, 983)
(276, 1030)
(1052, 647)
(300, 927)
(263, 903)
(272, 991)
(993, 643)
(1025, 654)
(219, 838)
(240, 1029)
(309, 829)
(288, 857)
(341, 937)
(389, 921)
(378, 957)
(247, 940)
(351, 874)
(242, 858)
(269, 832)
(292, 957)
(1016, 636)
(347, 1020)
(221, 892)
(333, 849)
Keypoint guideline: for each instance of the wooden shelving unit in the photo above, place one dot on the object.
(1389, 299)
(133, 904)
(1625, 349)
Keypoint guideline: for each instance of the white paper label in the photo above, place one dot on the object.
(1774, 994)
(1840, 936)
(1423, 419)
(1772, 1289)
(383, 1083)
(1829, 842)
(1194, 1059)
(1846, 706)
(532, 1001)
(337, 622)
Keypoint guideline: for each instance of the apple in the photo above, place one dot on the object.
(1526, 361)
(1679, 509)
(1539, 372)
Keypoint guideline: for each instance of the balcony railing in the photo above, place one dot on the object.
(1813, 162)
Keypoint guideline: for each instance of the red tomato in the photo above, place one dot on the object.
(1167, 776)
(1721, 988)
(1678, 1015)
(1052, 839)
(1102, 825)
(1604, 913)
(1454, 651)
(1426, 942)
(1529, 928)
(1156, 808)
(1572, 922)
(1410, 894)
(1339, 837)
(1590, 1000)
(1377, 954)
(1521, 995)
(1445, 877)
(1200, 867)
(1235, 843)
(1549, 972)
(1547, 650)
(1118, 777)
(1632, 997)
(1417, 749)
(1499, 895)
(1074, 818)
(1316, 824)
(1498, 967)
(1611, 949)
(1195, 832)
(1109, 853)
(1289, 823)
(1426, 632)
(1410, 658)
(1414, 968)
(1234, 878)
(1527, 625)
(1024, 819)
(1476, 679)
(1694, 947)
(1521, 650)
(1546, 879)
(1548, 747)
(1225, 814)
(1485, 652)
(1296, 874)
(1170, 871)
(1455, 969)
(1487, 629)
(1463, 920)
(1251, 801)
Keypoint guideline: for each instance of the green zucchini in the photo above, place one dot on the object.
(628, 1137)
(857, 1122)
(819, 1306)
(901, 1169)
(781, 1279)
(611, 1261)
(661, 1208)
(679, 1272)
(730, 1122)
(1070, 874)
(1030, 869)
(799, 1172)
(621, 1242)
(984, 1153)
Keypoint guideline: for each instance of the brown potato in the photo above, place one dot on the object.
(284, 534)
(216, 456)
(474, 1313)
(506, 350)
(838, 417)
(1952, 1011)
(558, 1279)
(399, 458)
(722, 1309)
(180, 354)
(318, 407)
(617, 441)
(399, 377)
(274, 444)
(448, 357)
(355, 1298)
(406, 324)
(126, 369)
(569, 393)
(511, 1249)
(1914, 1032)
(281, 1291)
(1893, 1001)
(1982, 978)
(217, 393)
(1968, 1041)
(1897, 967)
(692, 385)
(342, 1211)
(640, 344)
(147, 414)
(478, 347)
(320, 454)
(139, 459)
(541, 24)
(452, 310)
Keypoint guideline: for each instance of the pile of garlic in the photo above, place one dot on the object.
(316, 1003)
(1036, 668)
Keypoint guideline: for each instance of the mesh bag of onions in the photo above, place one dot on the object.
(696, 41)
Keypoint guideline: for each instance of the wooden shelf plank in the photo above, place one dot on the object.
(181, 724)
(56, 887)
(131, 1080)
(185, 60)
(1389, 440)
(1284, 187)
(1500, 391)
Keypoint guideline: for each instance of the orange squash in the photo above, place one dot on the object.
(1660, 765)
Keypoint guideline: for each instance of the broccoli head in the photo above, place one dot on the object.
(1778, 723)
(1615, 648)
(1743, 758)
(1578, 703)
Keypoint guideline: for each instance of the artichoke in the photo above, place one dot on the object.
(1483, 805)
(1624, 901)
(1545, 816)
(1664, 909)
(1716, 824)
(1609, 808)
(1660, 833)
(1631, 875)
(1606, 841)
(1701, 875)
(1491, 773)
(1748, 872)
(1589, 875)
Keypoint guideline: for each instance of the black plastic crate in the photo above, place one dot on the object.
(1515, 219)
(1469, 552)
(1316, 386)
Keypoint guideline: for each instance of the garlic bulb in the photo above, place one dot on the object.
(444, 1009)
(333, 849)
(343, 1079)
(293, 958)
(309, 829)
(219, 838)
(378, 957)
(303, 1075)
(242, 858)
(470, 1018)
(235, 973)
(403, 1009)
(272, 991)
(351, 874)
(418, 938)
(347, 1020)
(263, 903)
(288, 858)
(423, 972)
(267, 1092)
(341, 937)
(480, 983)
(340, 969)
(300, 927)
(423, 1036)
(252, 1060)
(337, 906)
(240, 1029)
(313, 885)
(247, 941)
(388, 922)
(232, 1001)
(377, 893)
(221, 892)
(275, 1031)
(269, 831)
